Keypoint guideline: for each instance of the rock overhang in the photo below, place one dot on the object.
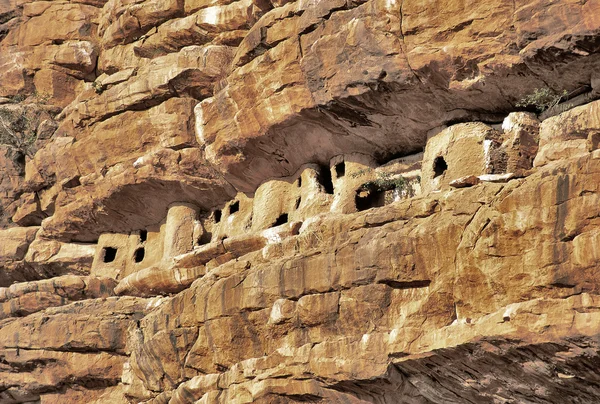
(382, 102)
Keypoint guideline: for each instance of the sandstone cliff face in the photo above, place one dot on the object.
(299, 201)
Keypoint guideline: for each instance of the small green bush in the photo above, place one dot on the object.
(541, 99)
(98, 87)
(386, 181)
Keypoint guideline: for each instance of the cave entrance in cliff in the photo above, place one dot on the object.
(217, 216)
(205, 238)
(282, 219)
(139, 254)
(234, 207)
(340, 169)
(324, 178)
(368, 197)
(439, 166)
(109, 254)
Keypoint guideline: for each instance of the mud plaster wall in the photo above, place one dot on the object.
(466, 149)
(313, 191)
(126, 245)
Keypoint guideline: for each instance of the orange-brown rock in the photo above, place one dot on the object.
(570, 134)
(54, 59)
(9, 182)
(159, 158)
(78, 344)
(14, 246)
(351, 306)
(23, 129)
(332, 67)
(22, 299)
(227, 24)
(277, 201)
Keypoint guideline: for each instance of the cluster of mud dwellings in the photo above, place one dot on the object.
(350, 183)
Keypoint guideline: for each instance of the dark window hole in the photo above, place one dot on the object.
(19, 159)
(299, 182)
(340, 169)
(139, 254)
(143, 235)
(325, 180)
(369, 198)
(217, 216)
(205, 238)
(439, 166)
(283, 219)
(234, 207)
(297, 205)
(109, 255)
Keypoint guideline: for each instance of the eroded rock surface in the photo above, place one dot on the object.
(275, 201)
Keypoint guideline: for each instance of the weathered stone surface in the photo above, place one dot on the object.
(570, 134)
(14, 246)
(49, 369)
(191, 71)
(22, 299)
(124, 21)
(9, 182)
(345, 284)
(78, 344)
(435, 74)
(400, 381)
(119, 58)
(157, 157)
(61, 22)
(209, 24)
(274, 169)
(23, 129)
(464, 182)
(52, 258)
(157, 280)
(28, 211)
(55, 59)
(174, 274)
(58, 328)
(521, 139)
(459, 151)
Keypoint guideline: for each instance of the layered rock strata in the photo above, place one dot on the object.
(299, 201)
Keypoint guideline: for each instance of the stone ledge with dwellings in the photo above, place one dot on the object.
(160, 118)
(358, 296)
(166, 258)
(457, 156)
(302, 285)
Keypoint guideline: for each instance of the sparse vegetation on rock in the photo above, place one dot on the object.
(542, 99)
(386, 181)
(16, 131)
(98, 87)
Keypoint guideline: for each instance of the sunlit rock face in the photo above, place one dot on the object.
(273, 201)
